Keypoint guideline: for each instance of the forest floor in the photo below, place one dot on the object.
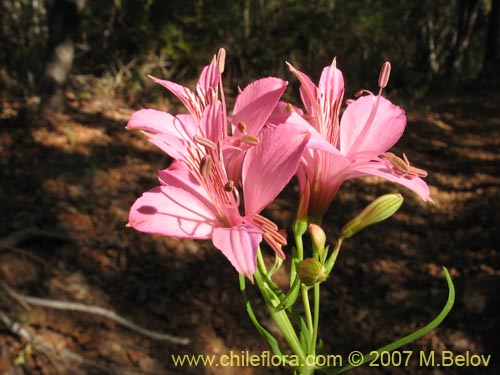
(68, 181)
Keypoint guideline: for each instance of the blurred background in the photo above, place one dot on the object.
(73, 71)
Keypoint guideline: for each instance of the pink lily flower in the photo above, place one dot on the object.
(368, 128)
(253, 106)
(197, 197)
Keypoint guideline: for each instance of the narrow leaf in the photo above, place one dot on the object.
(330, 370)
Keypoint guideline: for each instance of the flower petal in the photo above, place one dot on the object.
(361, 129)
(212, 122)
(239, 244)
(317, 141)
(187, 96)
(256, 103)
(331, 83)
(381, 169)
(207, 84)
(153, 121)
(308, 90)
(172, 211)
(269, 165)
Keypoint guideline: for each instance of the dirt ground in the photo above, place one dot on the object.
(68, 180)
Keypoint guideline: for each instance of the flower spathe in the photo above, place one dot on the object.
(369, 127)
(197, 198)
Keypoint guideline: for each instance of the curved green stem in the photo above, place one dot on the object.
(409, 338)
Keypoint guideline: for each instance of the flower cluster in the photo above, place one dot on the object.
(228, 168)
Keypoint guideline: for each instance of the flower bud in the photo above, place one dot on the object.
(310, 271)
(380, 209)
(318, 238)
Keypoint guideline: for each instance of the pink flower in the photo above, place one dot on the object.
(368, 128)
(197, 198)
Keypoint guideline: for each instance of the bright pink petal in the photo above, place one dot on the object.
(317, 141)
(371, 123)
(239, 244)
(233, 162)
(256, 103)
(176, 148)
(320, 175)
(308, 90)
(269, 165)
(331, 83)
(212, 122)
(178, 175)
(381, 169)
(282, 112)
(207, 84)
(153, 121)
(185, 95)
(172, 211)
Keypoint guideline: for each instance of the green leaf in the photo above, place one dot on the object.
(291, 296)
(270, 339)
(330, 370)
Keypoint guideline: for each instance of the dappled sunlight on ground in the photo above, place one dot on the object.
(77, 174)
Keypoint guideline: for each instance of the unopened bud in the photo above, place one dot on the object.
(318, 238)
(380, 209)
(384, 75)
(310, 271)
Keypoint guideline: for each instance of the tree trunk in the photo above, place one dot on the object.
(63, 20)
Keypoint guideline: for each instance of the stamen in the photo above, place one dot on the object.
(274, 245)
(403, 166)
(229, 186)
(221, 60)
(250, 139)
(276, 236)
(242, 127)
(400, 165)
(205, 142)
(384, 75)
(264, 220)
(206, 165)
(289, 108)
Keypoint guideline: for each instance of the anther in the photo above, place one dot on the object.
(264, 220)
(206, 165)
(274, 245)
(242, 127)
(205, 142)
(250, 139)
(384, 75)
(229, 186)
(221, 60)
(277, 237)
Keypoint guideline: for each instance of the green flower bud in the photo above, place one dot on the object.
(311, 271)
(380, 209)
(318, 238)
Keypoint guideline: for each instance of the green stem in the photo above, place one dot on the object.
(335, 253)
(280, 317)
(307, 311)
(316, 318)
(407, 339)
